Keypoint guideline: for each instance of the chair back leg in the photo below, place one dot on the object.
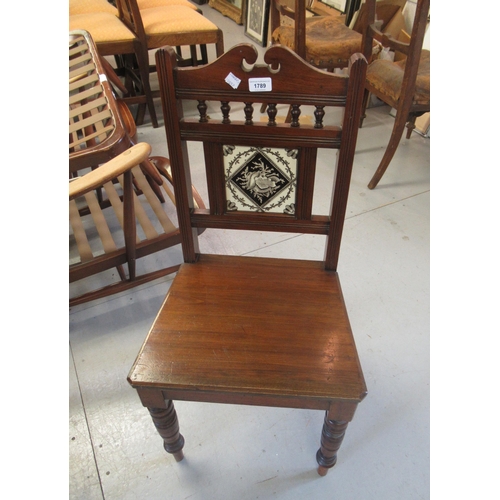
(397, 132)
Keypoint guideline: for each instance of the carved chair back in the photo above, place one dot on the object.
(260, 174)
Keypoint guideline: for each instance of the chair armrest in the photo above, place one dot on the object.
(109, 170)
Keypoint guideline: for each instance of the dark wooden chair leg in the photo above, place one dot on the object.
(331, 439)
(140, 114)
(397, 132)
(366, 96)
(167, 425)
(204, 54)
(410, 125)
(142, 61)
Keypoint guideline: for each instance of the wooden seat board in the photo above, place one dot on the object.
(213, 339)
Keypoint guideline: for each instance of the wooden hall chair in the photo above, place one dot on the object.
(249, 330)
(404, 85)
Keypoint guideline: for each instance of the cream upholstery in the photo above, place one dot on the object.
(91, 6)
(160, 23)
(148, 4)
(103, 27)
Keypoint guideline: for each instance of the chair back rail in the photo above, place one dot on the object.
(287, 73)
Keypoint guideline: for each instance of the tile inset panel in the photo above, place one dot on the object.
(260, 179)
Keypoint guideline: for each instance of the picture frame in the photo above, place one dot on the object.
(257, 20)
(230, 8)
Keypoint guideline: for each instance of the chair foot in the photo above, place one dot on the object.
(397, 132)
(331, 439)
(167, 425)
(322, 471)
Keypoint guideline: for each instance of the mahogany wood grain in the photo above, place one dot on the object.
(266, 345)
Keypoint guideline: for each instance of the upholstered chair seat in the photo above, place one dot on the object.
(104, 27)
(90, 6)
(329, 42)
(162, 23)
(387, 77)
(403, 85)
(148, 4)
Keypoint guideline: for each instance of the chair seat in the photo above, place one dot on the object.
(387, 77)
(148, 4)
(329, 42)
(103, 27)
(161, 24)
(241, 327)
(91, 6)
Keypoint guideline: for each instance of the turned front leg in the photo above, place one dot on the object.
(167, 425)
(331, 439)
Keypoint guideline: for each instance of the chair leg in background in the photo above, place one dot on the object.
(410, 125)
(167, 425)
(397, 132)
(366, 96)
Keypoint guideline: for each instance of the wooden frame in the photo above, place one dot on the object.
(257, 20)
(230, 8)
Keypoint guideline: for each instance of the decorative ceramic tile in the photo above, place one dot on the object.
(260, 179)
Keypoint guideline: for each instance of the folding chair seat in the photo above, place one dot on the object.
(96, 130)
(115, 218)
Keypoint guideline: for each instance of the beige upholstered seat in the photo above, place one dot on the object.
(147, 4)
(329, 42)
(175, 25)
(387, 77)
(106, 30)
(161, 24)
(90, 6)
